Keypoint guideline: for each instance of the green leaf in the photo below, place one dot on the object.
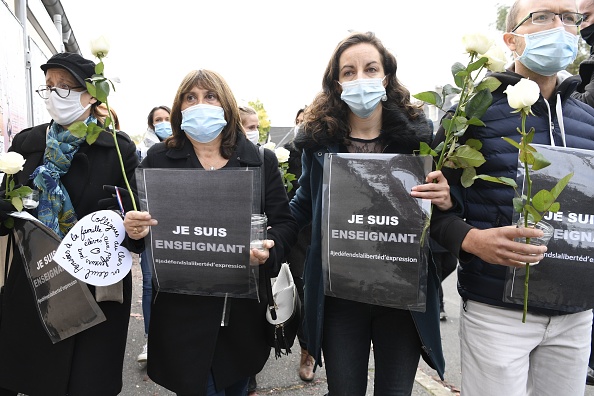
(439, 147)
(477, 64)
(540, 161)
(22, 191)
(107, 123)
(500, 180)
(542, 200)
(526, 157)
(470, 156)
(93, 132)
(561, 184)
(78, 129)
(518, 204)
(554, 207)
(430, 97)
(492, 179)
(478, 104)
(91, 89)
(102, 91)
(474, 143)
(99, 68)
(533, 214)
(490, 83)
(512, 142)
(457, 68)
(467, 178)
(425, 149)
(448, 89)
(17, 202)
(475, 121)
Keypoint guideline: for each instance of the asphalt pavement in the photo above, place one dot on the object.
(280, 377)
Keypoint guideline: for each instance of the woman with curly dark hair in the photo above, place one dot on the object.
(363, 108)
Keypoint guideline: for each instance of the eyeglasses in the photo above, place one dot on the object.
(548, 17)
(62, 91)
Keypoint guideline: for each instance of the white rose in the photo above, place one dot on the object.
(522, 95)
(100, 47)
(11, 162)
(282, 154)
(269, 145)
(496, 58)
(476, 42)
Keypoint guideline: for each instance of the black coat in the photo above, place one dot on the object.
(186, 339)
(89, 363)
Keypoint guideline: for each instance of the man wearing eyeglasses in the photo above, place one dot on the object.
(585, 93)
(500, 355)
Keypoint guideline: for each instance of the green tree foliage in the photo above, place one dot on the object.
(262, 118)
(583, 48)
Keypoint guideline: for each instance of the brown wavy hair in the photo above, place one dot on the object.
(326, 119)
(214, 82)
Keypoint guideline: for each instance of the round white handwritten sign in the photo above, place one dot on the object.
(92, 250)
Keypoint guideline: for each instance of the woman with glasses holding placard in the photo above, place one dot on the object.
(69, 175)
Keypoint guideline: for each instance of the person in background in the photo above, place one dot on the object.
(70, 175)
(102, 114)
(159, 129)
(250, 123)
(585, 93)
(298, 120)
(296, 257)
(349, 115)
(500, 355)
(191, 353)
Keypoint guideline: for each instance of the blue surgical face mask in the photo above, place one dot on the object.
(549, 52)
(203, 122)
(163, 130)
(363, 95)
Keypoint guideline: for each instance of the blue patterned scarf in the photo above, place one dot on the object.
(55, 209)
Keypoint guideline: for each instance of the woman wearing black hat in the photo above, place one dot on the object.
(70, 175)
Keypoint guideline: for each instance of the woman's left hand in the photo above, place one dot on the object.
(259, 257)
(436, 189)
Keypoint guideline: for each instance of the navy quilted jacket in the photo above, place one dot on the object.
(489, 204)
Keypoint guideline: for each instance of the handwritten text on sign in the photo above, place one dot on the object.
(92, 250)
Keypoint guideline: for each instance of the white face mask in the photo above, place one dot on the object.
(65, 111)
(253, 136)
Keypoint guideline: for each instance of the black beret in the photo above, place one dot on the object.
(78, 66)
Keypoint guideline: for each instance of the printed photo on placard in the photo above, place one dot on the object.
(372, 228)
(562, 280)
(65, 305)
(201, 244)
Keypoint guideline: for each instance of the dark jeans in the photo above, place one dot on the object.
(147, 290)
(349, 329)
(237, 389)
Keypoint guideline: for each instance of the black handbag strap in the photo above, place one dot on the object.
(268, 283)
